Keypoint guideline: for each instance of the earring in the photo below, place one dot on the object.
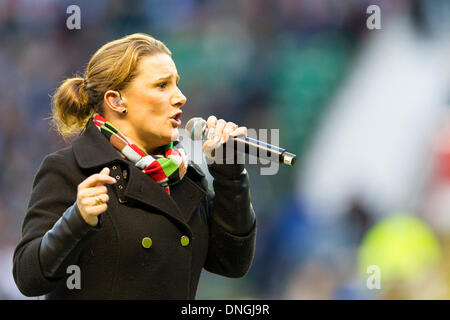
(124, 111)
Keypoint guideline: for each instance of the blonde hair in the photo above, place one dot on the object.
(112, 67)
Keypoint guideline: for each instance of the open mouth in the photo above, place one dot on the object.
(176, 119)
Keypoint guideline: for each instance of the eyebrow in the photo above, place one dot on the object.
(168, 77)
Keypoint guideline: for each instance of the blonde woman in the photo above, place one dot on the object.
(122, 202)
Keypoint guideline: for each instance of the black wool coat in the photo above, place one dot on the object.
(191, 229)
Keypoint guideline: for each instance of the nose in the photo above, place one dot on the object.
(178, 99)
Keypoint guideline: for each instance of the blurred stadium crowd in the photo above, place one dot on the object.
(366, 112)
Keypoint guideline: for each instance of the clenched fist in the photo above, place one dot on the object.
(92, 196)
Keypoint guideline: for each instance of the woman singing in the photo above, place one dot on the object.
(122, 206)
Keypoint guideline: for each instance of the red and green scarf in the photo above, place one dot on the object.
(167, 169)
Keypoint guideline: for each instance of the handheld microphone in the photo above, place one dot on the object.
(196, 129)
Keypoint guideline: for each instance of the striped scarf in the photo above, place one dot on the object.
(167, 169)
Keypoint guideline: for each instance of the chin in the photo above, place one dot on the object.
(175, 134)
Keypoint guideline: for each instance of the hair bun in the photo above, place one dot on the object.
(70, 104)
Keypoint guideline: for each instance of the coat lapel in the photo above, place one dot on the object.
(145, 190)
(187, 195)
(92, 150)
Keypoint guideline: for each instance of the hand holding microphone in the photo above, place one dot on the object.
(217, 132)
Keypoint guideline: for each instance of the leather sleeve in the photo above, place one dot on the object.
(60, 245)
(232, 221)
(53, 231)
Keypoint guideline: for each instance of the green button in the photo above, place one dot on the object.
(184, 241)
(146, 242)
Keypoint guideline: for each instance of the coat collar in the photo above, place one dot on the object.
(92, 150)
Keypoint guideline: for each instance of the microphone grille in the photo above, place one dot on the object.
(194, 128)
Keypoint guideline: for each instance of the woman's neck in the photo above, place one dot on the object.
(131, 133)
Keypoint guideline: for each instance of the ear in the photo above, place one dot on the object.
(113, 101)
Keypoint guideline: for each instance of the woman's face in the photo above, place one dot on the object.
(152, 100)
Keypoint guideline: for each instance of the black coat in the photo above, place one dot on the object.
(113, 262)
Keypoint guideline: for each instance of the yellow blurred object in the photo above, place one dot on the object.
(402, 246)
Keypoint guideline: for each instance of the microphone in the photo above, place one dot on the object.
(196, 129)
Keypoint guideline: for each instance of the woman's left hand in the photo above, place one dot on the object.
(219, 131)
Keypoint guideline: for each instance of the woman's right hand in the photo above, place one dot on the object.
(92, 196)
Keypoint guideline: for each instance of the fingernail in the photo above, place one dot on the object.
(216, 139)
(222, 141)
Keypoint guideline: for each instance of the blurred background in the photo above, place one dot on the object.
(366, 111)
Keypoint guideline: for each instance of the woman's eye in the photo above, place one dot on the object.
(162, 85)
